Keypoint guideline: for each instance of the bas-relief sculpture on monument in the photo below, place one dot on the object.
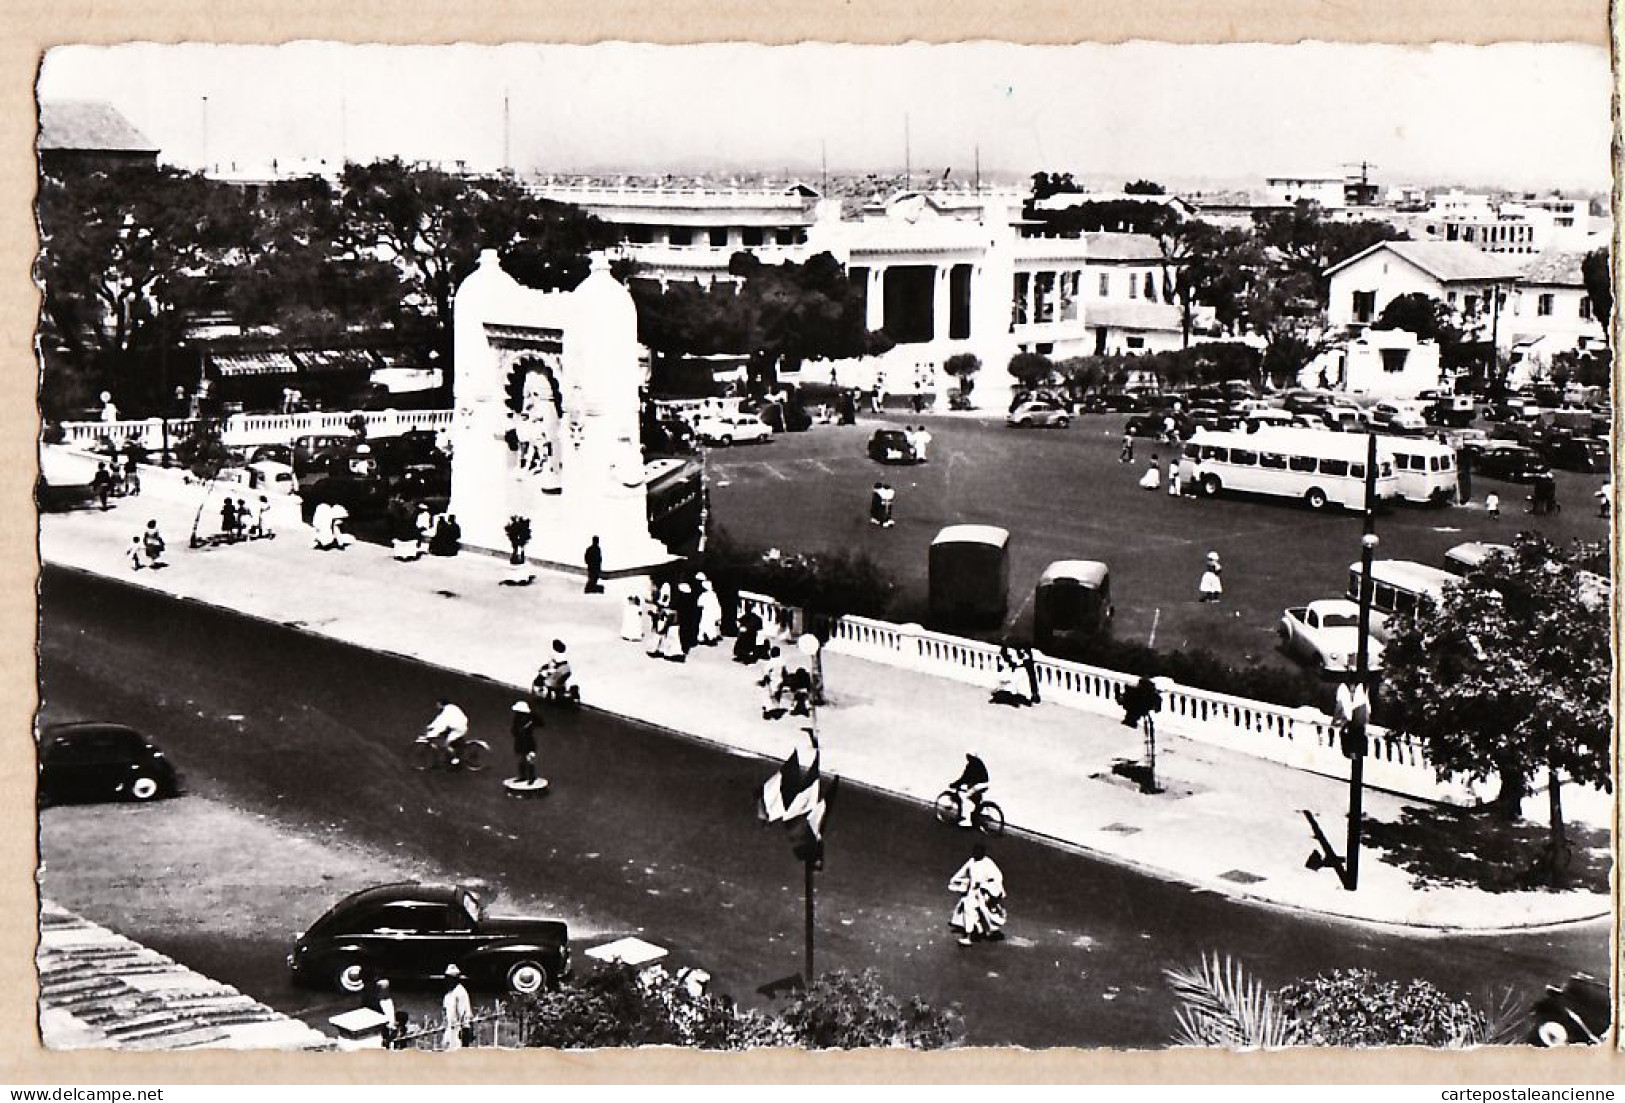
(545, 391)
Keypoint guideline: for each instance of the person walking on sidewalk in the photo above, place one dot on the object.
(524, 742)
(747, 644)
(1492, 504)
(1211, 587)
(262, 524)
(101, 483)
(1029, 663)
(228, 521)
(594, 558)
(709, 606)
(772, 683)
(1125, 454)
(877, 505)
(458, 1011)
(980, 913)
(152, 542)
(135, 553)
(887, 497)
(632, 619)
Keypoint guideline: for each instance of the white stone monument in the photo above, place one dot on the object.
(545, 390)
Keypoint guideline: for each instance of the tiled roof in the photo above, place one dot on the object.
(1556, 268)
(1160, 317)
(1108, 246)
(88, 125)
(1445, 261)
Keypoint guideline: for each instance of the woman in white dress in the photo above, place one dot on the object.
(1153, 475)
(632, 619)
(1211, 587)
(710, 610)
(980, 912)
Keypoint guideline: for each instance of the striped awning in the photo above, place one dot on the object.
(253, 363)
(325, 360)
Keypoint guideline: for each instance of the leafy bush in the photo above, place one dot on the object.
(845, 1011)
(618, 1006)
(1353, 1007)
(963, 366)
(1032, 370)
(829, 583)
(1201, 669)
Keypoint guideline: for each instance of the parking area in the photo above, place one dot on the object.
(1063, 494)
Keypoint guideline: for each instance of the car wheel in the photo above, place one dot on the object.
(1316, 498)
(723, 442)
(1061, 423)
(144, 787)
(1211, 486)
(527, 978)
(350, 976)
(1551, 1033)
(1024, 423)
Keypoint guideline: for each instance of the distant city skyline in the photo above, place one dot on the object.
(1522, 116)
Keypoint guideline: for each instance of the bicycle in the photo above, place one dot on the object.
(988, 817)
(429, 753)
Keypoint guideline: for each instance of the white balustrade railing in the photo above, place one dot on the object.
(249, 429)
(1299, 737)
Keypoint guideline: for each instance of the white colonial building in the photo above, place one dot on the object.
(1469, 280)
(1379, 363)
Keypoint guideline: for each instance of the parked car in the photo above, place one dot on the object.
(726, 429)
(413, 931)
(1345, 418)
(1146, 425)
(281, 453)
(1463, 559)
(1503, 460)
(421, 481)
(1576, 453)
(1327, 632)
(92, 760)
(1399, 417)
(1124, 402)
(1028, 414)
(1579, 1013)
(892, 446)
(1454, 410)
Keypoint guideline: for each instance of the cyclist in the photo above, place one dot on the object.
(449, 727)
(553, 679)
(970, 789)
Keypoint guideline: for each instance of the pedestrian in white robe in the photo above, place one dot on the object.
(980, 912)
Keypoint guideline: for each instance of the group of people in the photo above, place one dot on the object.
(327, 523)
(1017, 677)
(115, 477)
(919, 440)
(147, 548)
(241, 521)
(880, 504)
(784, 688)
(422, 532)
(673, 619)
(1151, 477)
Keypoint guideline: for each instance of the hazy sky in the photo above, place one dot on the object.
(1522, 115)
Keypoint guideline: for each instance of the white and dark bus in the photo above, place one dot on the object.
(1313, 466)
(1397, 587)
(1424, 470)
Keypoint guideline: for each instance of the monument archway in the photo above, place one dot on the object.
(545, 389)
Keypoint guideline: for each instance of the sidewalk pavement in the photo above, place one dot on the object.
(1227, 822)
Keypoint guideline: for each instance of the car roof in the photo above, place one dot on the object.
(86, 727)
(973, 534)
(417, 889)
(1091, 572)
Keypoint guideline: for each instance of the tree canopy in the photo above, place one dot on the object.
(1508, 676)
(1599, 283)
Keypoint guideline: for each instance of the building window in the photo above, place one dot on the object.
(1069, 295)
(1546, 305)
(1393, 360)
(1150, 286)
(1135, 342)
(1133, 286)
(1470, 305)
(1450, 297)
(1105, 284)
(1585, 307)
(1018, 304)
(1365, 306)
(1044, 297)
(751, 236)
(681, 235)
(719, 237)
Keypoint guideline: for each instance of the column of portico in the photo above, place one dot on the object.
(875, 302)
(1032, 298)
(940, 299)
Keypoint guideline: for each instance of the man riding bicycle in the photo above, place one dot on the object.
(970, 789)
(448, 728)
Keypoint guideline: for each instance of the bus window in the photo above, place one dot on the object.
(1384, 597)
(1193, 451)
(1357, 470)
(1386, 469)
(1214, 452)
(1241, 457)
(1302, 463)
(1271, 460)
(1339, 468)
(1403, 602)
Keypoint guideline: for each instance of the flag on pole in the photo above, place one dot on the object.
(798, 797)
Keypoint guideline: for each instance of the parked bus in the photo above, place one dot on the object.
(674, 491)
(1310, 465)
(970, 576)
(1397, 586)
(1424, 470)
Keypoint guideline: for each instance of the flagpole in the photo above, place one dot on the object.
(807, 864)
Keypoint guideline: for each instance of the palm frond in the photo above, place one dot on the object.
(1220, 1005)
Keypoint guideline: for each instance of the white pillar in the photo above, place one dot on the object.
(940, 304)
(876, 302)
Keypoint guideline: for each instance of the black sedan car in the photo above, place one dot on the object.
(1511, 462)
(892, 446)
(1578, 1013)
(91, 761)
(412, 932)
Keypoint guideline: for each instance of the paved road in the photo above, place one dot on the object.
(1063, 495)
(651, 832)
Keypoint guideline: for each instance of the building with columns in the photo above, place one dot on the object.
(943, 271)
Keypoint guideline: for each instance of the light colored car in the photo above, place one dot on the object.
(1404, 417)
(1028, 414)
(1350, 419)
(726, 429)
(1327, 632)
